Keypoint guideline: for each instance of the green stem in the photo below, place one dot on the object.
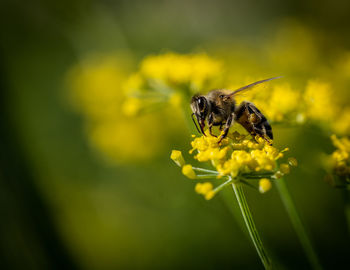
(206, 176)
(218, 188)
(297, 224)
(248, 219)
(205, 170)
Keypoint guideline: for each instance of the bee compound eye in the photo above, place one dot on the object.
(201, 103)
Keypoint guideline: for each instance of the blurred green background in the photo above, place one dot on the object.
(64, 206)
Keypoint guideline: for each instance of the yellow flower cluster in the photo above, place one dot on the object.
(341, 156)
(319, 101)
(175, 70)
(170, 78)
(236, 158)
(96, 90)
(206, 189)
(341, 123)
(237, 154)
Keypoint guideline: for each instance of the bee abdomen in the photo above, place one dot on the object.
(253, 120)
(263, 129)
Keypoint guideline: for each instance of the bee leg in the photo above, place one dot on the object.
(220, 127)
(253, 120)
(210, 124)
(227, 127)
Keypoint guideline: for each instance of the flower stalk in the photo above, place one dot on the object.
(297, 224)
(248, 219)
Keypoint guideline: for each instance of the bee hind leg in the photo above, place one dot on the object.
(210, 124)
(253, 120)
(227, 127)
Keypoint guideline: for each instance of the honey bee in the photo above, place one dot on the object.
(219, 108)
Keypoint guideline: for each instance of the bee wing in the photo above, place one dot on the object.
(250, 86)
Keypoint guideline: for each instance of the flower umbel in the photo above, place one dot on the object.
(238, 159)
(339, 162)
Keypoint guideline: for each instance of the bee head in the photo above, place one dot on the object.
(200, 108)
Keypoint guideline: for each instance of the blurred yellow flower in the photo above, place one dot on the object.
(96, 90)
(170, 79)
(341, 156)
(264, 185)
(188, 171)
(206, 189)
(320, 102)
(176, 70)
(341, 123)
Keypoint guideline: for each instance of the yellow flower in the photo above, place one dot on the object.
(177, 157)
(96, 90)
(319, 101)
(292, 161)
(264, 185)
(341, 156)
(341, 123)
(284, 168)
(174, 69)
(235, 158)
(205, 189)
(188, 171)
(283, 103)
(252, 156)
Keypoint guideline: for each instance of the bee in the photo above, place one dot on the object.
(219, 108)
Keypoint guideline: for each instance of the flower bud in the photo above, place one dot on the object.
(284, 168)
(177, 157)
(264, 185)
(188, 171)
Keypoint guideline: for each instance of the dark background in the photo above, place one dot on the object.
(63, 207)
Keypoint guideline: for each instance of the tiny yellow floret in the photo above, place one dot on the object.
(292, 161)
(284, 168)
(188, 171)
(177, 157)
(206, 189)
(264, 185)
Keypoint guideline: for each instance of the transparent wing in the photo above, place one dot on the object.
(252, 85)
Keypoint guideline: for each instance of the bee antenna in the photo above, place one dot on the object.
(195, 123)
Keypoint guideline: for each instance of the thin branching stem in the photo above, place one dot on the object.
(297, 224)
(205, 170)
(248, 219)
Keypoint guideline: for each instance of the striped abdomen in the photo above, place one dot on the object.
(253, 120)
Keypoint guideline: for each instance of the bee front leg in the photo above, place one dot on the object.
(210, 124)
(227, 127)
